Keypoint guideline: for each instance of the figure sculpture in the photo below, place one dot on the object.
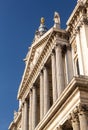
(56, 20)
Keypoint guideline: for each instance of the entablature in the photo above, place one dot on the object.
(77, 19)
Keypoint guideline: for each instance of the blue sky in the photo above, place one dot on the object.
(19, 20)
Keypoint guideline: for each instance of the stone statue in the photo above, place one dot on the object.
(56, 18)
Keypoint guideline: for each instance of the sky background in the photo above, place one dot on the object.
(19, 20)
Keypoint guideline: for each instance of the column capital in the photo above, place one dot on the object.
(22, 105)
(45, 66)
(60, 46)
(41, 72)
(53, 52)
(59, 127)
(68, 47)
(34, 86)
(74, 117)
(83, 111)
(82, 108)
(30, 91)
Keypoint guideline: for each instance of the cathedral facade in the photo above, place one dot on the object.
(53, 93)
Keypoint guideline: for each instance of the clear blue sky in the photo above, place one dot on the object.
(18, 21)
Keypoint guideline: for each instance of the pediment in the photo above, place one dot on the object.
(36, 50)
(36, 53)
(33, 55)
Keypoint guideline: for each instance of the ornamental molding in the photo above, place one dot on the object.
(29, 59)
(80, 109)
(77, 19)
(50, 44)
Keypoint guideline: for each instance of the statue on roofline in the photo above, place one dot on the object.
(56, 20)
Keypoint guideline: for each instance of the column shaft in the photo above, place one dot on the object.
(83, 121)
(34, 108)
(26, 115)
(41, 95)
(22, 122)
(30, 112)
(54, 86)
(75, 125)
(59, 70)
(46, 91)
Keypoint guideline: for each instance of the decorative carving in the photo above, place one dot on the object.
(82, 108)
(53, 52)
(74, 117)
(59, 127)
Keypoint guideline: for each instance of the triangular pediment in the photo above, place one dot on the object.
(32, 57)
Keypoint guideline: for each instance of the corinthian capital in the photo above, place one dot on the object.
(82, 108)
(74, 117)
(59, 127)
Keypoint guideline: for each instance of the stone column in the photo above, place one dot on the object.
(73, 118)
(59, 69)
(41, 95)
(22, 121)
(83, 118)
(75, 123)
(54, 85)
(25, 115)
(30, 111)
(34, 108)
(29, 119)
(46, 91)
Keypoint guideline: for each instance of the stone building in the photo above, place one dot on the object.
(53, 94)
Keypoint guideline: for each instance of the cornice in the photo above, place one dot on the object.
(75, 11)
(77, 18)
(49, 45)
(29, 60)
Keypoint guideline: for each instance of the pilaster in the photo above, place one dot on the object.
(30, 111)
(34, 107)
